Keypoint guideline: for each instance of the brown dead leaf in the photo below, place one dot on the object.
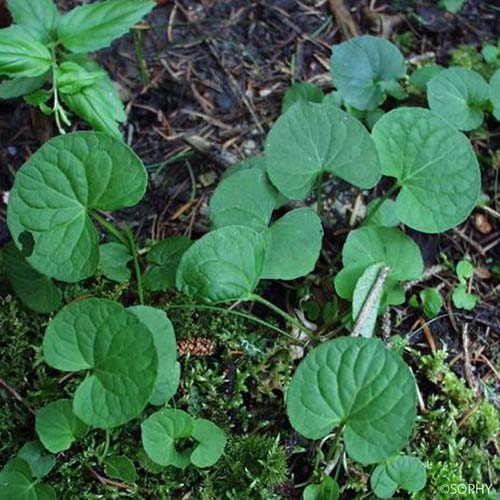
(482, 223)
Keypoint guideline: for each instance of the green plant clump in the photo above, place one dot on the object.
(353, 392)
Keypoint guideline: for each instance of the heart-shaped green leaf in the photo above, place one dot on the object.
(169, 370)
(407, 473)
(17, 483)
(58, 427)
(301, 91)
(293, 245)
(459, 96)
(54, 191)
(22, 55)
(433, 163)
(113, 261)
(40, 17)
(161, 431)
(310, 139)
(120, 467)
(361, 386)
(225, 264)
(119, 351)
(34, 289)
(423, 75)
(40, 462)
(374, 245)
(94, 26)
(212, 442)
(163, 260)
(244, 198)
(362, 67)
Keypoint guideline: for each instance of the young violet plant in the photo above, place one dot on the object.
(352, 391)
(45, 46)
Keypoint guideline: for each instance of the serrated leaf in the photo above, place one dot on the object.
(301, 91)
(433, 163)
(359, 384)
(120, 467)
(113, 260)
(359, 67)
(40, 16)
(328, 489)
(244, 198)
(72, 78)
(119, 351)
(225, 264)
(94, 26)
(34, 289)
(58, 427)
(161, 431)
(163, 259)
(211, 443)
(314, 138)
(495, 93)
(54, 192)
(294, 245)
(166, 348)
(40, 462)
(17, 87)
(366, 299)
(21, 55)
(407, 473)
(458, 95)
(385, 216)
(423, 75)
(372, 245)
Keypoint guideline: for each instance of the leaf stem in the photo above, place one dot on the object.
(106, 446)
(128, 240)
(335, 443)
(111, 229)
(283, 314)
(137, 267)
(59, 112)
(240, 314)
(382, 200)
(319, 194)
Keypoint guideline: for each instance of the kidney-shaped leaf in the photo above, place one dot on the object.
(34, 289)
(101, 336)
(362, 67)
(161, 431)
(225, 264)
(433, 163)
(94, 26)
(211, 443)
(57, 426)
(313, 138)
(164, 338)
(371, 245)
(48, 211)
(245, 198)
(407, 473)
(359, 384)
(294, 245)
(458, 95)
